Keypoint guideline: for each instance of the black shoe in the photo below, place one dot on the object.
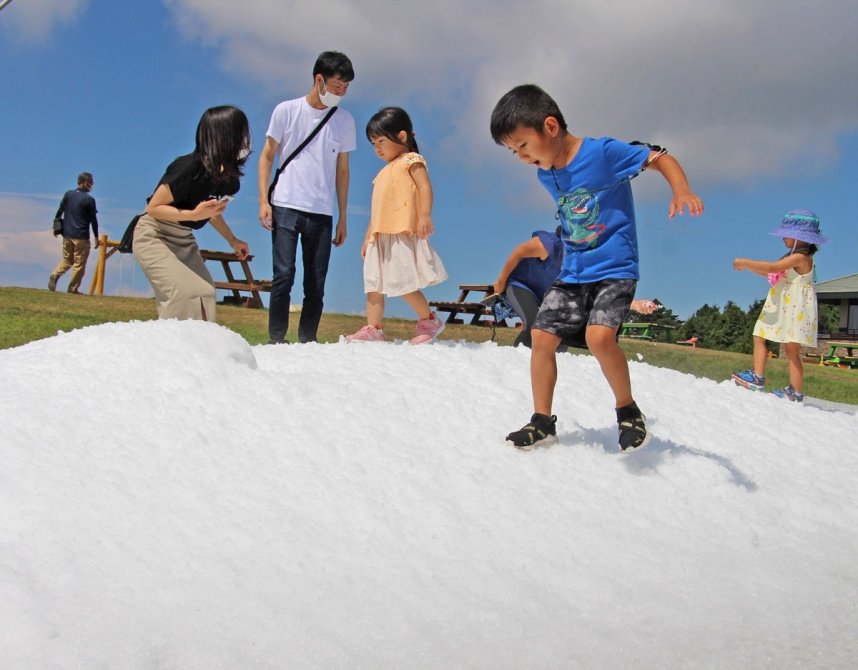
(632, 425)
(540, 430)
(52, 283)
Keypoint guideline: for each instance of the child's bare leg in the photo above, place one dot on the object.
(374, 309)
(602, 341)
(543, 370)
(761, 355)
(796, 367)
(419, 304)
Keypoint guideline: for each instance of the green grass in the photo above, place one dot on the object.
(826, 383)
(32, 314)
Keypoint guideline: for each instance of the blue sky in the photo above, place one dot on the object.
(758, 101)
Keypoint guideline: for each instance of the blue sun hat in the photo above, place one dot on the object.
(800, 224)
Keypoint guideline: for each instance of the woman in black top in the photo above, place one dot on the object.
(194, 190)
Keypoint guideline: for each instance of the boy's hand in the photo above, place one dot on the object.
(644, 306)
(682, 201)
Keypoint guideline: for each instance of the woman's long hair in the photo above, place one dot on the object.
(223, 134)
(388, 122)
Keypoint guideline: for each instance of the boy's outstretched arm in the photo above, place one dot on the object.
(532, 248)
(675, 176)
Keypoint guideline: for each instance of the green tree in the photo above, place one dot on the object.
(734, 323)
(704, 323)
(829, 318)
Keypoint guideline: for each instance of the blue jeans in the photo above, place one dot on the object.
(315, 231)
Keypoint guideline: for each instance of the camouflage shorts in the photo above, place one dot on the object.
(567, 309)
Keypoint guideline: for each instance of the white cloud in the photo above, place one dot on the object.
(25, 230)
(33, 20)
(736, 89)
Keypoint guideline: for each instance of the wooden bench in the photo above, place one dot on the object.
(238, 285)
(461, 306)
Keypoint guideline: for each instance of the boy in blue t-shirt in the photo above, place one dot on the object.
(589, 180)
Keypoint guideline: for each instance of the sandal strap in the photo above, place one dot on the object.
(530, 434)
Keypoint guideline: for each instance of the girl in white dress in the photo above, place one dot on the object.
(789, 315)
(398, 259)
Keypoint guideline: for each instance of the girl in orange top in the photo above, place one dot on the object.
(398, 259)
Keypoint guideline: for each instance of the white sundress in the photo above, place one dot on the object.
(399, 264)
(789, 314)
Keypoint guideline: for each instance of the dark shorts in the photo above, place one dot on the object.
(567, 309)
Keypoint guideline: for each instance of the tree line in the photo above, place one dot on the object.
(727, 329)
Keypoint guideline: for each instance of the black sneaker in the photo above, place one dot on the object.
(633, 433)
(540, 431)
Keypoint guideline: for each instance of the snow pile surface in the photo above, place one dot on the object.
(171, 497)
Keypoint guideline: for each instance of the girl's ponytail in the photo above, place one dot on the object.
(411, 143)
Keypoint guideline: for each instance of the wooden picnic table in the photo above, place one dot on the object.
(462, 306)
(237, 285)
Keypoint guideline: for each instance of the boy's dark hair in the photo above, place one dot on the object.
(388, 122)
(84, 178)
(222, 133)
(526, 105)
(334, 64)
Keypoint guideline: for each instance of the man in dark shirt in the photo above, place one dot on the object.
(77, 211)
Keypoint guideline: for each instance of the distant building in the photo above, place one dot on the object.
(844, 293)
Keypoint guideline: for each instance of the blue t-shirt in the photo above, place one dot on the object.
(537, 275)
(594, 201)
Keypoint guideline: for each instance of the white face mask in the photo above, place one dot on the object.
(329, 99)
(244, 153)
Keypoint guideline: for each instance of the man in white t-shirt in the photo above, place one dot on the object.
(302, 203)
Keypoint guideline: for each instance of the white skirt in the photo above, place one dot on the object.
(401, 264)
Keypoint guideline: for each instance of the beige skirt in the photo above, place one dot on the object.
(171, 261)
(401, 264)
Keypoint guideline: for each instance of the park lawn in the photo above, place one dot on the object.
(28, 314)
